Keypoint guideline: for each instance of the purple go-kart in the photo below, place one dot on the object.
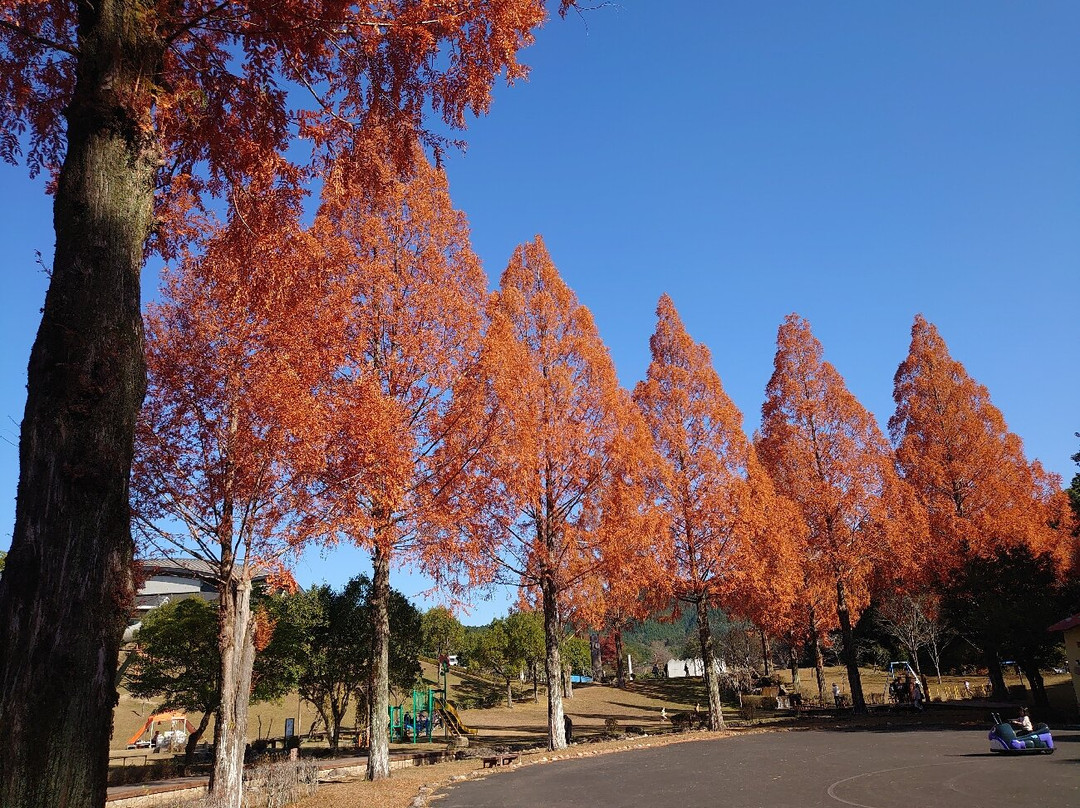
(1005, 739)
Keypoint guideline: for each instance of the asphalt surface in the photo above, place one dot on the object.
(921, 768)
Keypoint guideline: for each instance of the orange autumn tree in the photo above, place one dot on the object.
(809, 620)
(969, 471)
(143, 110)
(723, 518)
(231, 367)
(826, 453)
(629, 587)
(557, 485)
(412, 294)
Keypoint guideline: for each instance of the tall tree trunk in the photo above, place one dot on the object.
(1038, 688)
(536, 682)
(378, 766)
(194, 738)
(935, 656)
(712, 686)
(793, 659)
(851, 662)
(766, 653)
(68, 588)
(819, 661)
(553, 663)
(620, 664)
(509, 694)
(596, 657)
(568, 683)
(998, 690)
(236, 636)
(337, 715)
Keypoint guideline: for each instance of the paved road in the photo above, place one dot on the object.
(866, 769)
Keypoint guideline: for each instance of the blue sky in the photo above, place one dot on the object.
(854, 162)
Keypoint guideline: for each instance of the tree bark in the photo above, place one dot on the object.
(819, 661)
(620, 664)
(712, 686)
(195, 737)
(236, 635)
(766, 652)
(338, 709)
(596, 658)
(68, 588)
(1038, 688)
(553, 663)
(378, 766)
(851, 662)
(998, 689)
(509, 694)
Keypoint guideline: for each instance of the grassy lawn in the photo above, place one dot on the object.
(641, 705)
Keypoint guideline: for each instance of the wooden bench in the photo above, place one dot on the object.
(499, 760)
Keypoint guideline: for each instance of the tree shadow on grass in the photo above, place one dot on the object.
(628, 718)
(687, 690)
(473, 693)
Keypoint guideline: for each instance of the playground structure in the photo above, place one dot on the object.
(429, 709)
(173, 732)
(897, 686)
(418, 724)
(451, 719)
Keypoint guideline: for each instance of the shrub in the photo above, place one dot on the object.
(276, 784)
(760, 702)
(153, 770)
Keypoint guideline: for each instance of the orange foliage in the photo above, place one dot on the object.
(408, 295)
(730, 539)
(215, 452)
(968, 470)
(826, 453)
(554, 496)
(565, 460)
(225, 88)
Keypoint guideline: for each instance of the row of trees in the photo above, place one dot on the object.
(351, 380)
(147, 114)
(380, 397)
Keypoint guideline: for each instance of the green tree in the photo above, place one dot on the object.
(442, 633)
(335, 652)
(509, 647)
(494, 652)
(576, 654)
(1003, 604)
(177, 661)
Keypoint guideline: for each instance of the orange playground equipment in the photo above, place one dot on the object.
(173, 726)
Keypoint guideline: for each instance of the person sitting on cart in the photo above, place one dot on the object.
(1022, 723)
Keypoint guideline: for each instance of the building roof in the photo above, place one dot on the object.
(1066, 624)
(188, 568)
